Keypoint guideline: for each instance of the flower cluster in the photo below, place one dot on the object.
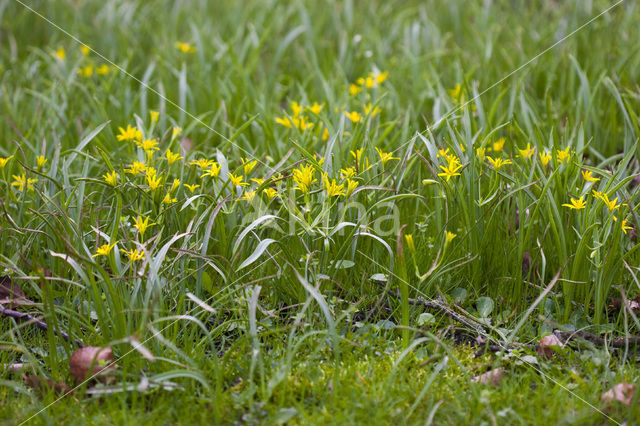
(299, 120)
(370, 81)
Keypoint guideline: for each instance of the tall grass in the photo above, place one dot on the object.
(222, 270)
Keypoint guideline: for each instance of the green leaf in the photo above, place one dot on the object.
(262, 246)
(485, 306)
(343, 264)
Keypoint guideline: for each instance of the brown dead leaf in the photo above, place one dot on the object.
(92, 361)
(493, 377)
(622, 392)
(40, 385)
(9, 289)
(547, 345)
(10, 292)
(633, 304)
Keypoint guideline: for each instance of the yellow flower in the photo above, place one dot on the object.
(351, 186)
(499, 144)
(354, 116)
(576, 204)
(296, 109)
(354, 89)
(625, 227)
(545, 157)
(587, 175)
(297, 122)
(450, 170)
(135, 168)
(21, 181)
(304, 177)
(259, 181)
(41, 161)
(152, 180)
(455, 92)
(315, 108)
(86, 71)
(203, 163)
(325, 134)
(449, 236)
(348, 172)
(271, 192)
(370, 82)
(175, 132)
(248, 165)
(191, 187)
(611, 204)
(481, 153)
(285, 121)
(381, 76)
(175, 185)
(168, 200)
(443, 152)
(498, 162)
(302, 123)
(4, 161)
(103, 69)
(563, 155)
(318, 159)
(452, 159)
(111, 178)
(85, 50)
(598, 195)
(249, 195)
(130, 134)
(385, 156)
(333, 189)
(527, 152)
(60, 53)
(409, 239)
(141, 224)
(356, 155)
(153, 115)
(148, 145)
(133, 255)
(368, 108)
(185, 47)
(172, 158)
(237, 180)
(213, 170)
(462, 148)
(104, 250)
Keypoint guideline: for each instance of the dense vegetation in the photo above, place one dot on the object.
(250, 202)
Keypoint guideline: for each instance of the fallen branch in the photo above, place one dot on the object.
(618, 342)
(565, 337)
(40, 324)
(438, 304)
